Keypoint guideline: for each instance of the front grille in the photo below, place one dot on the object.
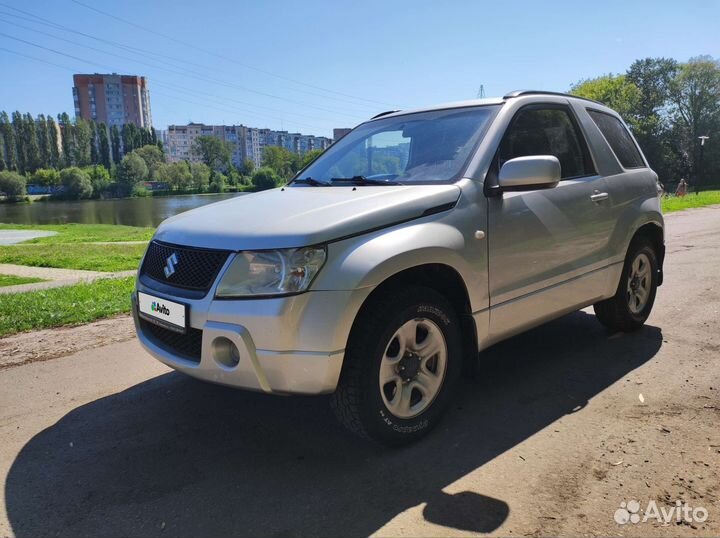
(187, 346)
(194, 268)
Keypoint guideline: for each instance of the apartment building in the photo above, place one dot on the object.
(112, 99)
(245, 142)
(339, 132)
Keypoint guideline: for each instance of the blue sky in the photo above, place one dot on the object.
(313, 65)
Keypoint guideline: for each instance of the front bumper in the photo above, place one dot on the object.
(292, 345)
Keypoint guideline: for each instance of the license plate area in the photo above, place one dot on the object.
(163, 312)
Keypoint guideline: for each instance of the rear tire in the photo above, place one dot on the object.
(630, 307)
(402, 366)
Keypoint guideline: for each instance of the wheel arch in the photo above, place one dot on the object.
(654, 233)
(446, 281)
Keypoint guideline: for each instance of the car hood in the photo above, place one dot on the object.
(301, 216)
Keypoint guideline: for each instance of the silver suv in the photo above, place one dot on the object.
(417, 240)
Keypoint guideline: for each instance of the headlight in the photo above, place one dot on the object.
(271, 272)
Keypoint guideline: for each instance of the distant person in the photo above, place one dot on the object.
(682, 188)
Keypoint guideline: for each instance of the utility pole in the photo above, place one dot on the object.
(481, 92)
(701, 168)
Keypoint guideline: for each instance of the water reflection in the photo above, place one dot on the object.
(149, 211)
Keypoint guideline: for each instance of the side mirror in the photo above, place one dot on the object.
(532, 172)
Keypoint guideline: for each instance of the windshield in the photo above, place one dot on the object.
(426, 147)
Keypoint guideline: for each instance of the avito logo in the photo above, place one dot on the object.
(160, 308)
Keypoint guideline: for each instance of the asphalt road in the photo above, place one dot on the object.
(564, 424)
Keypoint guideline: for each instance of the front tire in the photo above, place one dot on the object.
(402, 366)
(633, 301)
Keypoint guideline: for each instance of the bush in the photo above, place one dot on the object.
(265, 178)
(47, 177)
(13, 185)
(76, 183)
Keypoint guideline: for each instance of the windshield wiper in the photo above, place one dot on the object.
(311, 181)
(362, 180)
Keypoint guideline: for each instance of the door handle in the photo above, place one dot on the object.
(599, 196)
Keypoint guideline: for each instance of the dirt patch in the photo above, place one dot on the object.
(48, 344)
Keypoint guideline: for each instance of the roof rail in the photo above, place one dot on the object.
(384, 114)
(519, 93)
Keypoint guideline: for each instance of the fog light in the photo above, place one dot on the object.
(225, 352)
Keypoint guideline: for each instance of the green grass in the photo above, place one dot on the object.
(84, 233)
(90, 257)
(12, 280)
(71, 305)
(78, 246)
(691, 200)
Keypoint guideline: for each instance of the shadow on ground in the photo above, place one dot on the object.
(177, 457)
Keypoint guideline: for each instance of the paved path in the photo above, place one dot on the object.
(54, 278)
(549, 440)
(10, 237)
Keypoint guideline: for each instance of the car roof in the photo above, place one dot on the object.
(491, 101)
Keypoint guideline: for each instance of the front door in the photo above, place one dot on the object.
(545, 245)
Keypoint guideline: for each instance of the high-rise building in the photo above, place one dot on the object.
(339, 132)
(245, 142)
(112, 99)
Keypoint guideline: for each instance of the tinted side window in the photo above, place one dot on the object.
(547, 131)
(619, 139)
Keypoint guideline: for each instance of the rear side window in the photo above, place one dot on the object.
(619, 139)
(547, 130)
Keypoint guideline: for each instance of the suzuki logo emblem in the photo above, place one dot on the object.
(170, 264)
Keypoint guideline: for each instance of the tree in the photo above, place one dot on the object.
(651, 127)
(18, 126)
(68, 140)
(8, 140)
(99, 178)
(695, 107)
(83, 143)
(153, 156)
(248, 167)
(76, 183)
(615, 91)
(115, 144)
(43, 141)
(200, 175)
(32, 148)
(12, 184)
(218, 182)
(131, 138)
(130, 171)
(265, 178)
(54, 155)
(283, 161)
(309, 157)
(176, 175)
(215, 153)
(104, 146)
(94, 143)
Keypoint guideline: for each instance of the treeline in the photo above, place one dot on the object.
(86, 160)
(28, 144)
(669, 106)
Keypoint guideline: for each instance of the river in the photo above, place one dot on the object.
(149, 211)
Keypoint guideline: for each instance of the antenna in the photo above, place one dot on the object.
(481, 92)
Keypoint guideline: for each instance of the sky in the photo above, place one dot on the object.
(311, 66)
